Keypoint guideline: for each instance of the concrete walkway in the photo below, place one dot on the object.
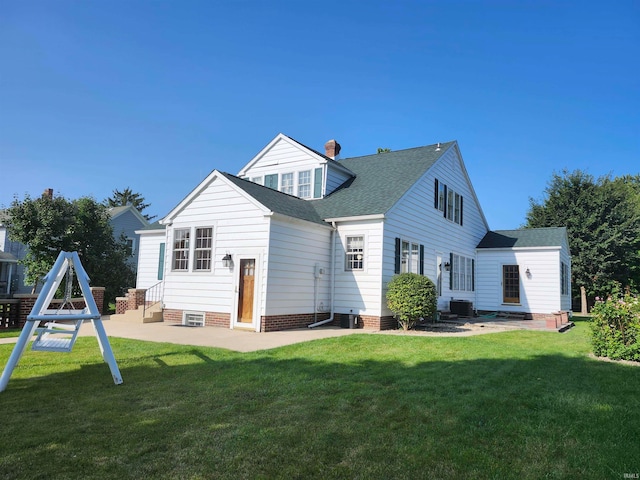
(248, 341)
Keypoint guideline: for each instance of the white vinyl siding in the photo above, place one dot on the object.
(415, 217)
(539, 290)
(358, 291)
(239, 227)
(296, 249)
(335, 178)
(149, 258)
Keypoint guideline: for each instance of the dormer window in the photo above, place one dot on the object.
(287, 183)
(304, 184)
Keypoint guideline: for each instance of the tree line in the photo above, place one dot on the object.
(602, 216)
(50, 224)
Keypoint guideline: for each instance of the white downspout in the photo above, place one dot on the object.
(333, 280)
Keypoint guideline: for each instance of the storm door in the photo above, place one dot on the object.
(510, 284)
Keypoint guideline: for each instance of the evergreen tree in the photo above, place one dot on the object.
(50, 225)
(603, 223)
(128, 197)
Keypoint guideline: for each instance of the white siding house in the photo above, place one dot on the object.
(524, 270)
(299, 238)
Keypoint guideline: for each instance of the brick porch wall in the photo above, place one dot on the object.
(28, 300)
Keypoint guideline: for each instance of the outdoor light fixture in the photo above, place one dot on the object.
(447, 266)
(227, 261)
(528, 272)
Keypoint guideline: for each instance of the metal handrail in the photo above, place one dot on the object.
(152, 296)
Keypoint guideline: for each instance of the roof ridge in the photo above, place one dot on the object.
(402, 150)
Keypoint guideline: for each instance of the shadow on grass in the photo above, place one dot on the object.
(188, 412)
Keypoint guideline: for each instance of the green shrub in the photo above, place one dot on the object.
(615, 328)
(411, 297)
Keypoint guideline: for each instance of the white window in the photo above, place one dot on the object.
(257, 180)
(462, 273)
(304, 184)
(355, 253)
(203, 249)
(457, 209)
(448, 202)
(181, 249)
(193, 319)
(410, 257)
(287, 183)
(441, 196)
(450, 195)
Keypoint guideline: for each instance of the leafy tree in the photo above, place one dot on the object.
(411, 297)
(128, 197)
(383, 150)
(50, 225)
(603, 222)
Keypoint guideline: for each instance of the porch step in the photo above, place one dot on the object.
(566, 327)
(152, 314)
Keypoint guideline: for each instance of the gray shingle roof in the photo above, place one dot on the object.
(525, 237)
(381, 180)
(278, 202)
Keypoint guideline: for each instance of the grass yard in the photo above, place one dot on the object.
(521, 405)
(10, 332)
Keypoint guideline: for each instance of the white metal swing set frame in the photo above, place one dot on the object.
(62, 325)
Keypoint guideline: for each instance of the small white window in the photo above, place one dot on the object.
(193, 319)
(304, 184)
(181, 249)
(257, 180)
(410, 258)
(203, 249)
(355, 253)
(287, 183)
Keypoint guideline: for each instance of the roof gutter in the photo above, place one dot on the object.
(333, 280)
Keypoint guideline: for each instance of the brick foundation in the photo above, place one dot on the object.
(371, 322)
(211, 319)
(274, 323)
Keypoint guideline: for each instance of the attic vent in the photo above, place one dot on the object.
(193, 319)
(438, 148)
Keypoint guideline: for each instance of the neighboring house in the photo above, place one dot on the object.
(298, 238)
(124, 220)
(11, 272)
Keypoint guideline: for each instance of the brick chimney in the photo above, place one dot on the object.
(48, 193)
(332, 149)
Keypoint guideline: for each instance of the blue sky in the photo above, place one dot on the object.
(153, 95)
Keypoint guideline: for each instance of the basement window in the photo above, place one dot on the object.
(193, 319)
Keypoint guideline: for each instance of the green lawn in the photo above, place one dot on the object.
(521, 405)
(10, 332)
